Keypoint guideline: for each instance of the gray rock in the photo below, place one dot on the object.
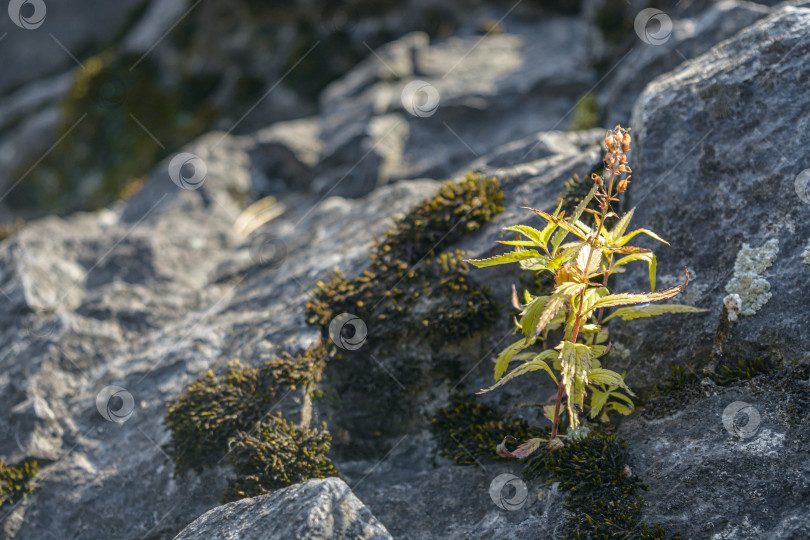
(711, 175)
(317, 509)
(483, 93)
(691, 37)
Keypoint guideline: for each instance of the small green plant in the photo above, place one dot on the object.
(275, 455)
(577, 304)
(15, 481)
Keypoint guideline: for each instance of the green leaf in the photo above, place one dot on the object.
(531, 233)
(623, 409)
(625, 299)
(649, 258)
(617, 232)
(627, 237)
(506, 258)
(598, 400)
(651, 310)
(531, 315)
(552, 307)
(527, 367)
(506, 356)
(576, 364)
(606, 376)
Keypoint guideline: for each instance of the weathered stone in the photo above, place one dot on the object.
(317, 509)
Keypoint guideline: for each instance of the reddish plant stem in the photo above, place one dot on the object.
(578, 321)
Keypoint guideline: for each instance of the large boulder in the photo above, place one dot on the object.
(318, 509)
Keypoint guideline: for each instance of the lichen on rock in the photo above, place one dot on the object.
(748, 280)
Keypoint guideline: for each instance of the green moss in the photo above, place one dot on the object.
(604, 499)
(275, 455)
(683, 386)
(102, 147)
(213, 409)
(15, 481)
(469, 431)
(457, 209)
(586, 114)
(405, 274)
(610, 18)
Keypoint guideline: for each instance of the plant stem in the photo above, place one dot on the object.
(594, 243)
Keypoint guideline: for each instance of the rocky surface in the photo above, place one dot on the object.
(149, 293)
(317, 509)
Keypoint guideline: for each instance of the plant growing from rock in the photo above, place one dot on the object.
(581, 269)
(15, 481)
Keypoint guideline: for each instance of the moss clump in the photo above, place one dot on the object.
(469, 431)
(275, 455)
(586, 115)
(15, 481)
(103, 147)
(683, 386)
(213, 409)
(405, 274)
(458, 208)
(604, 499)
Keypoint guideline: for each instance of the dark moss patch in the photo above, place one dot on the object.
(586, 115)
(684, 386)
(468, 431)
(612, 20)
(274, 455)
(102, 146)
(214, 409)
(604, 497)
(395, 294)
(15, 481)
(457, 209)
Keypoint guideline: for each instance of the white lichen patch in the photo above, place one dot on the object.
(748, 280)
(765, 444)
(806, 254)
(738, 530)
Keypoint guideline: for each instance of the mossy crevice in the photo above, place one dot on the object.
(215, 409)
(277, 454)
(604, 496)
(468, 431)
